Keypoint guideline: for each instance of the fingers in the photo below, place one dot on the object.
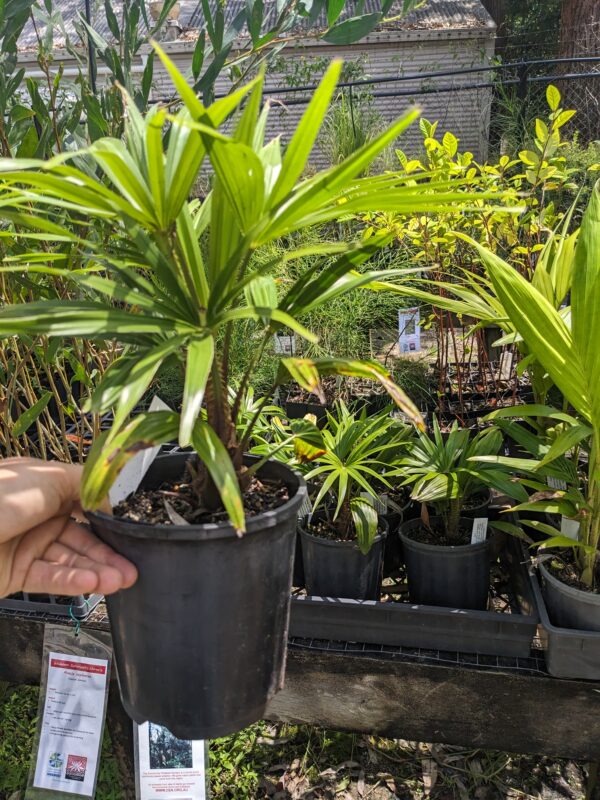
(46, 578)
(32, 491)
(108, 578)
(61, 557)
(83, 543)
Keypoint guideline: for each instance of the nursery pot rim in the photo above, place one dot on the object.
(260, 523)
(382, 528)
(448, 549)
(593, 598)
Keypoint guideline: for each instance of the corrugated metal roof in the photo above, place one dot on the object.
(434, 14)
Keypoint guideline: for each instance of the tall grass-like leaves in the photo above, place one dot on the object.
(174, 276)
(569, 354)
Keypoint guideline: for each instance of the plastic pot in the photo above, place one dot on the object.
(339, 569)
(446, 575)
(481, 509)
(296, 409)
(567, 606)
(200, 639)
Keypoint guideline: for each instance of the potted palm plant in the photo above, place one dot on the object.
(343, 539)
(200, 639)
(565, 343)
(444, 567)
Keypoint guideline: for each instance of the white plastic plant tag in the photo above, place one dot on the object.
(380, 502)
(305, 509)
(479, 531)
(167, 767)
(556, 483)
(569, 528)
(72, 710)
(133, 472)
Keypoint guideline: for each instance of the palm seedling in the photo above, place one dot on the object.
(442, 473)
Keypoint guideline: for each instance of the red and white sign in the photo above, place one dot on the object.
(71, 730)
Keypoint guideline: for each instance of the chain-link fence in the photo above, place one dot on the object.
(487, 107)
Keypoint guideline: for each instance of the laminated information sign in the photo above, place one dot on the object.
(167, 767)
(76, 671)
(409, 330)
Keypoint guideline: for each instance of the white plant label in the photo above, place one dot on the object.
(167, 767)
(305, 509)
(133, 472)
(557, 483)
(72, 724)
(409, 330)
(380, 503)
(569, 528)
(479, 530)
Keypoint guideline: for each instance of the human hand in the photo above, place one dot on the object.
(42, 548)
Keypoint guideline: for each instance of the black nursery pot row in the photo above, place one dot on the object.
(441, 581)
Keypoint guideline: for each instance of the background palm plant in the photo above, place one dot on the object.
(358, 452)
(442, 473)
(174, 276)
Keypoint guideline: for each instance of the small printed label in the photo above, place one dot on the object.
(285, 344)
(479, 532)
(380, 504)
(569, 528)
(305, 508)
(557, 483)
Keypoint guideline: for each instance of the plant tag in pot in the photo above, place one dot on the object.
(133, 472)
(479, 531)
(380, 503)
(305, 509)
(569, 528)
(557, 483)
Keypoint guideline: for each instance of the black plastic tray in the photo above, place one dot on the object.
(427, 627)
(569, 653)
(80, 606)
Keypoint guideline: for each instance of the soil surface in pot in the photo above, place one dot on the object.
(156, 506)
(563, 567)
(326, 530)
(435, 535)
(475, 500)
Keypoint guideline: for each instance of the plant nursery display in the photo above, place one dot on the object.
(444, 566)
(170, 283)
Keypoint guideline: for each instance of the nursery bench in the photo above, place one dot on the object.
(488, 702)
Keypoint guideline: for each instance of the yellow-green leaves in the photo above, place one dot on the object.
(111, 451)
(200, 354)
(543, 329)
(299, 148)
(307, 372)
(585, 302)
(220, 468)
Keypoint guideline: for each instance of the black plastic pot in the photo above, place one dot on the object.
(567, 606)
(339, 569)
(200, 639)
(295, 409)
(448, 576)
(481, 509)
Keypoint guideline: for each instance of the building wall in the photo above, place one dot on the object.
(466, 112)
(387, 54)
